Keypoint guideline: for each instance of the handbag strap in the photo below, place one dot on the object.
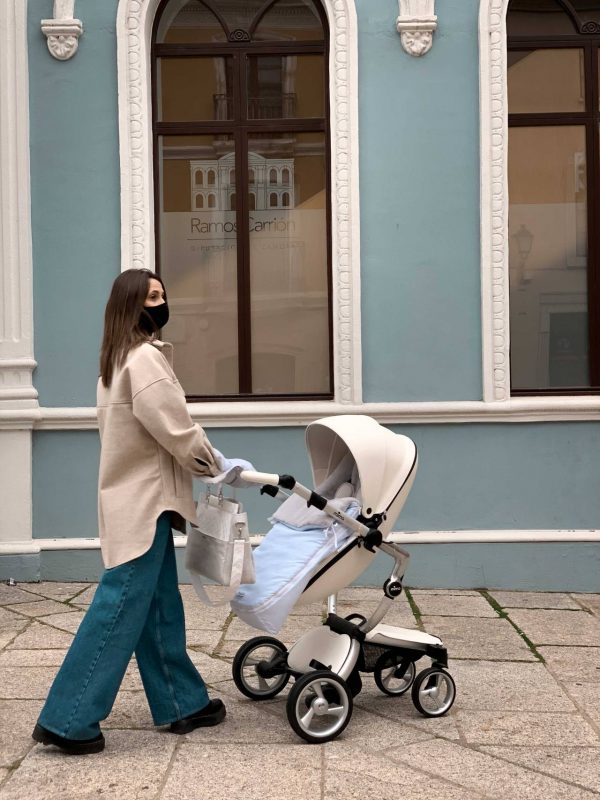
(237, 568)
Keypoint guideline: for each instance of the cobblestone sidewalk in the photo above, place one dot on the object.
(526, 722)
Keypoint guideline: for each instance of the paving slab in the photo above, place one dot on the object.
(9, 621)
(204, 639)
(268, 772)
(576, 764)
(481, 772)
(17, 720)
(85, 598)
(525, 728)
(589, 601)
(587, 698)
(533, 599)
(39, 608)
(32, 658)
(379, 778)
(558, 627)
(66, 621)
(25, 682)
(212, 669)
(55, 591)
(569, 664)
(507, 686)
(129, 711)
(457, 592)
(293, 629)
(12, 594)
(41, 637)
(133, 765)
(481, 638)
(454, 606)
(7, 636)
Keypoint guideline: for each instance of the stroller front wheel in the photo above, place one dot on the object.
(260, 668)
(433, 692)
(392, 676)
(319, 706)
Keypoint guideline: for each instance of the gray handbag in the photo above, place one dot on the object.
(218, 548)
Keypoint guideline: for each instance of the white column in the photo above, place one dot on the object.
(18, 398)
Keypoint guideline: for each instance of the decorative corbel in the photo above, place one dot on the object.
(63, 31)
(416, 24)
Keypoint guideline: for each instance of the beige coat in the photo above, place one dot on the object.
(148, 455)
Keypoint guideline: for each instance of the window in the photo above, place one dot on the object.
(554, 195)
(249, 273)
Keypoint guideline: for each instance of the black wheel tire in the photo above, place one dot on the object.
(239, 661)
(385, 661)
(297, 709)
(421, 683)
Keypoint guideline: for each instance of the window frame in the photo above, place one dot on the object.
(134, 31)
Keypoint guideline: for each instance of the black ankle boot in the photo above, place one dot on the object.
(212, 714)
(74, 747)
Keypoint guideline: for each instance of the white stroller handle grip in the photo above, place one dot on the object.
(261, 478)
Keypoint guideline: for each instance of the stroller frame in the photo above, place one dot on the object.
(326, 662)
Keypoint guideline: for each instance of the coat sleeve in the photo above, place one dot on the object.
(161, 408)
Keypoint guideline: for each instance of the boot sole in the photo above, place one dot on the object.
(70, 746)
(187, 725)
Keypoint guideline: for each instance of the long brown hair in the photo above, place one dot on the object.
(122, 330)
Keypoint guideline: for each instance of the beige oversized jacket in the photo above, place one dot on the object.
(147, 459)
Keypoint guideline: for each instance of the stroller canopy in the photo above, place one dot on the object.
(384, 459)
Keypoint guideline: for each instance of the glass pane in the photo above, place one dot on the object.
(290, 20)
(545, 80)
(288, 264)
(198, 258)
(538, 18)
(189, 21)
(548, 257)
(286, 86)
(192, 89)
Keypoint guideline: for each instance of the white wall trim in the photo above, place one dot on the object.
(271, 414)
(134, 28)
(494, 200)
(18, 397)
(401, 537)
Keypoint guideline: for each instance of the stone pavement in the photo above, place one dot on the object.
(526, 722)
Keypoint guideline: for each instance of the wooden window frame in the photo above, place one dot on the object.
(241, 126)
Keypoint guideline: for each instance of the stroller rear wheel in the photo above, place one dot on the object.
(319, 706)
(393, 675)
(433, 692)
(260, 668)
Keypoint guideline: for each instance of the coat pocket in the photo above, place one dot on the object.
(167, 473)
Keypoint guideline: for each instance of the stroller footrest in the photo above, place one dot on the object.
(341, 625)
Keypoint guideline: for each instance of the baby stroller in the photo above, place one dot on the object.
(326, 662)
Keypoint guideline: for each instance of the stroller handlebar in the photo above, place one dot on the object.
(269, 478)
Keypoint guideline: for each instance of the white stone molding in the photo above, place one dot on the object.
(494, 201)
(63, 31)
(415, 24)
(272, 414)
(134, 29)
(18, 398)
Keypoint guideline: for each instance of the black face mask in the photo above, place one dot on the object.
(154, 317)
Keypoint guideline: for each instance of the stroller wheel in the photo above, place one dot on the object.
(260, 668)
(319, 706)
(393, 675)
(433, 692)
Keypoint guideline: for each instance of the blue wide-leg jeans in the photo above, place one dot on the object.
(137, 608)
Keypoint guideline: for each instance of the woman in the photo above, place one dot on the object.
(150, 448)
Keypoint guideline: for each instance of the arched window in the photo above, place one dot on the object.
(554, 195)
(199, 177)
(199, 201)
(285, 199)
(237, 82)
(285, 177)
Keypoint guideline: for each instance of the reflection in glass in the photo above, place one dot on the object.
(545, 80)
(290, 20)
(198, 260)
(189, 22)
(548, 257)
(288, 265)
(191, 89)
(286, 87)
(538, 18)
